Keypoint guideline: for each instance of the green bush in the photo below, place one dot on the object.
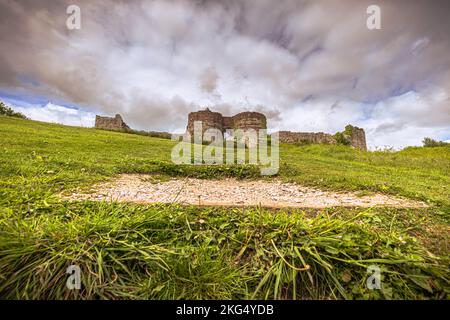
(341, 138)
(431, 143)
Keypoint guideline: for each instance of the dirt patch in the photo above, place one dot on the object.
(232, 192)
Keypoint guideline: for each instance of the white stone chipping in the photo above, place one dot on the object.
(232, 192)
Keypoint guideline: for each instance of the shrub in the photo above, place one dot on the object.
(431, 143)
(341, 138)
(303, 143)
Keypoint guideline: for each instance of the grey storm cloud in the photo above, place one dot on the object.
(208, 80)
(155, 61)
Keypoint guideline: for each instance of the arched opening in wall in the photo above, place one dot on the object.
(227, 135)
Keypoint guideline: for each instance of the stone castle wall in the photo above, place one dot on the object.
(310, 137)
(355, 136)
(208, 118)
(243, 120)
(248, 120)
(109, 123)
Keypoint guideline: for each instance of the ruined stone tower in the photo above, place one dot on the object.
(356, 136)
(210, 119)
(109, 123)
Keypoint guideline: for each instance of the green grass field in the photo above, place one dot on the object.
(130, 251)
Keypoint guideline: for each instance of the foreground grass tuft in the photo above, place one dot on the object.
(173, 252)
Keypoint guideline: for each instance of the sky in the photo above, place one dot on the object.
(308, 65)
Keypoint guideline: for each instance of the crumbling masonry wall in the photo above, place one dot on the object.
(308, 137)
(355, 137)
(210, 119)
(109, 123)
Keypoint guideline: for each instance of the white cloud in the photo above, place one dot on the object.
(394, 122)
(58, 114)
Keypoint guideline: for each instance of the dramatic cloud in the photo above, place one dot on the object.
(309, 65)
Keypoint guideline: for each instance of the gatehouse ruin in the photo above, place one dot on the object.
(352, 135)
(210, 119)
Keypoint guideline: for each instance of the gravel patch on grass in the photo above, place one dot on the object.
(231, 192)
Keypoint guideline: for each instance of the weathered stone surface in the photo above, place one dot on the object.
(248, 120)
(210, 119)
(109, 123)
(357, 137)
(311, 137)
(354, 135)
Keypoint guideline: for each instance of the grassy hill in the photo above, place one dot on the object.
(169, 251)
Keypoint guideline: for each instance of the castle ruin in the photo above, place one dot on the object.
(210, 119)
(352, 135)
(109, 123)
